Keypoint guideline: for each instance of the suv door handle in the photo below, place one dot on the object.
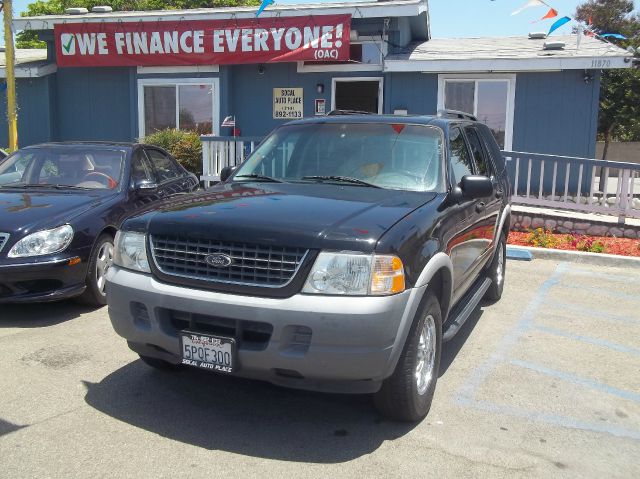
(480, 207)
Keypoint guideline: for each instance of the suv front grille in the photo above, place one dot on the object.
(4, 237)
(252, 265)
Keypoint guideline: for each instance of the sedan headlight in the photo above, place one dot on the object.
(355, 274)
(131, 251)
(43, 242)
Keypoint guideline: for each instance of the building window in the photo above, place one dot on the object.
(490, 98)
(183, 104)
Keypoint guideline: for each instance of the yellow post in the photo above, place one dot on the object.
(12, 114)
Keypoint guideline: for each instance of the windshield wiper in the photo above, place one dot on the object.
(45, 185)
(256, 176)
(346, 179)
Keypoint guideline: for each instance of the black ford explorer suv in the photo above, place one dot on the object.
(338, 257)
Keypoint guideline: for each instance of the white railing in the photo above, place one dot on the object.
(580, 184)
(221, 151)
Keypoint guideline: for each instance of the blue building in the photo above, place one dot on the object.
(537, 95)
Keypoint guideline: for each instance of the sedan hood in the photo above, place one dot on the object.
(23, 211)
(305, 215)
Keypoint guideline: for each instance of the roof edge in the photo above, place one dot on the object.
(362, 9)
(508, 65)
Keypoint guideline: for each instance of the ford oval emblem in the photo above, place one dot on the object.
(218, 260)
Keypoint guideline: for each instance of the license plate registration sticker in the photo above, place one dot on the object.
(208, 352)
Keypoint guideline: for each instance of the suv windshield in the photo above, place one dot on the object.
(384, 155)
(63, 168)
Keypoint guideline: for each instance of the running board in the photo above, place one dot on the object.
(470, 301)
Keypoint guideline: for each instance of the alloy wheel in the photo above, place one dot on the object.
(426, 355)
(103, 263)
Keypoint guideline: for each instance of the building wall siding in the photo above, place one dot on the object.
(95, 104)
(251, 95)
(34, 112)
(556, 113)
(415, 92)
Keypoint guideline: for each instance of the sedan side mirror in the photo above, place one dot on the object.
(146, 187)
(476, 186)
(226, 172)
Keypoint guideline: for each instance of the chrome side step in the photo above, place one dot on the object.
(468, 304)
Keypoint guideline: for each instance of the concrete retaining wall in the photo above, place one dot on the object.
(525, 221)
(619, 151)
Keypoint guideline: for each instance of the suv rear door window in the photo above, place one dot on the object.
(461, 164)
(482, 164)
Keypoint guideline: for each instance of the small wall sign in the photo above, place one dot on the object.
(320, 106)
(288, 103)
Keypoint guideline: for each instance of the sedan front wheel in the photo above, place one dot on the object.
(101, 260)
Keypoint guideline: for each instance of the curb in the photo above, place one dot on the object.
(598, 259)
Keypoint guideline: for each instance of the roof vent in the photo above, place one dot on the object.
(76, 11)
(554, 45)
(102, 9)
(537, 36)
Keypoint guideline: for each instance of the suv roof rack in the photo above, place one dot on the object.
(349, 112)
(460, 115)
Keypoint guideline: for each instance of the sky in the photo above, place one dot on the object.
(467, 18)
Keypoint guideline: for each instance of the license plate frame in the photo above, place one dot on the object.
(206, 346)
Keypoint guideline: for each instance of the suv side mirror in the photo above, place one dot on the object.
(226, 172)
(476, 186)
(145, 187)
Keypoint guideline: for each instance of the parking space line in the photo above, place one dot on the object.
(596, 313)
(478, 376)
(553, 419)
(597, 274)
(466, 395)
(588, 339)
(603, 291)
(578, 380)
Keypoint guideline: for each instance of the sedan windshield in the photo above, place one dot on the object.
(61, 167)
(382, 155)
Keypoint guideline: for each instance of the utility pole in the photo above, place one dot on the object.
(12, 114)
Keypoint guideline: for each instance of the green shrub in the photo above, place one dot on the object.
(185, 146)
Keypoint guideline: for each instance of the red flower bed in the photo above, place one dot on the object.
(598, 244)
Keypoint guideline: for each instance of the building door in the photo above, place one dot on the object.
(358, 94)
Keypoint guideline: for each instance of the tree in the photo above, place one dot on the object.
(619, 117)
(29, 39)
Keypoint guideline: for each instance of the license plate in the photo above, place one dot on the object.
(214, 353)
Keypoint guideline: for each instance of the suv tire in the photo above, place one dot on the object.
(496, 271)
(403, 396)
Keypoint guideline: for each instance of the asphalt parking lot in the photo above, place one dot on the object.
(545, 382)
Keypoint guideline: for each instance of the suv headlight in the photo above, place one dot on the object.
(131, 251)
(355, 274)
(43, 242)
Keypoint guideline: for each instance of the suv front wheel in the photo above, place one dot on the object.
(407, 394)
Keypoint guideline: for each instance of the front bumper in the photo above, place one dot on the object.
(41, 280)
(332, 344)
